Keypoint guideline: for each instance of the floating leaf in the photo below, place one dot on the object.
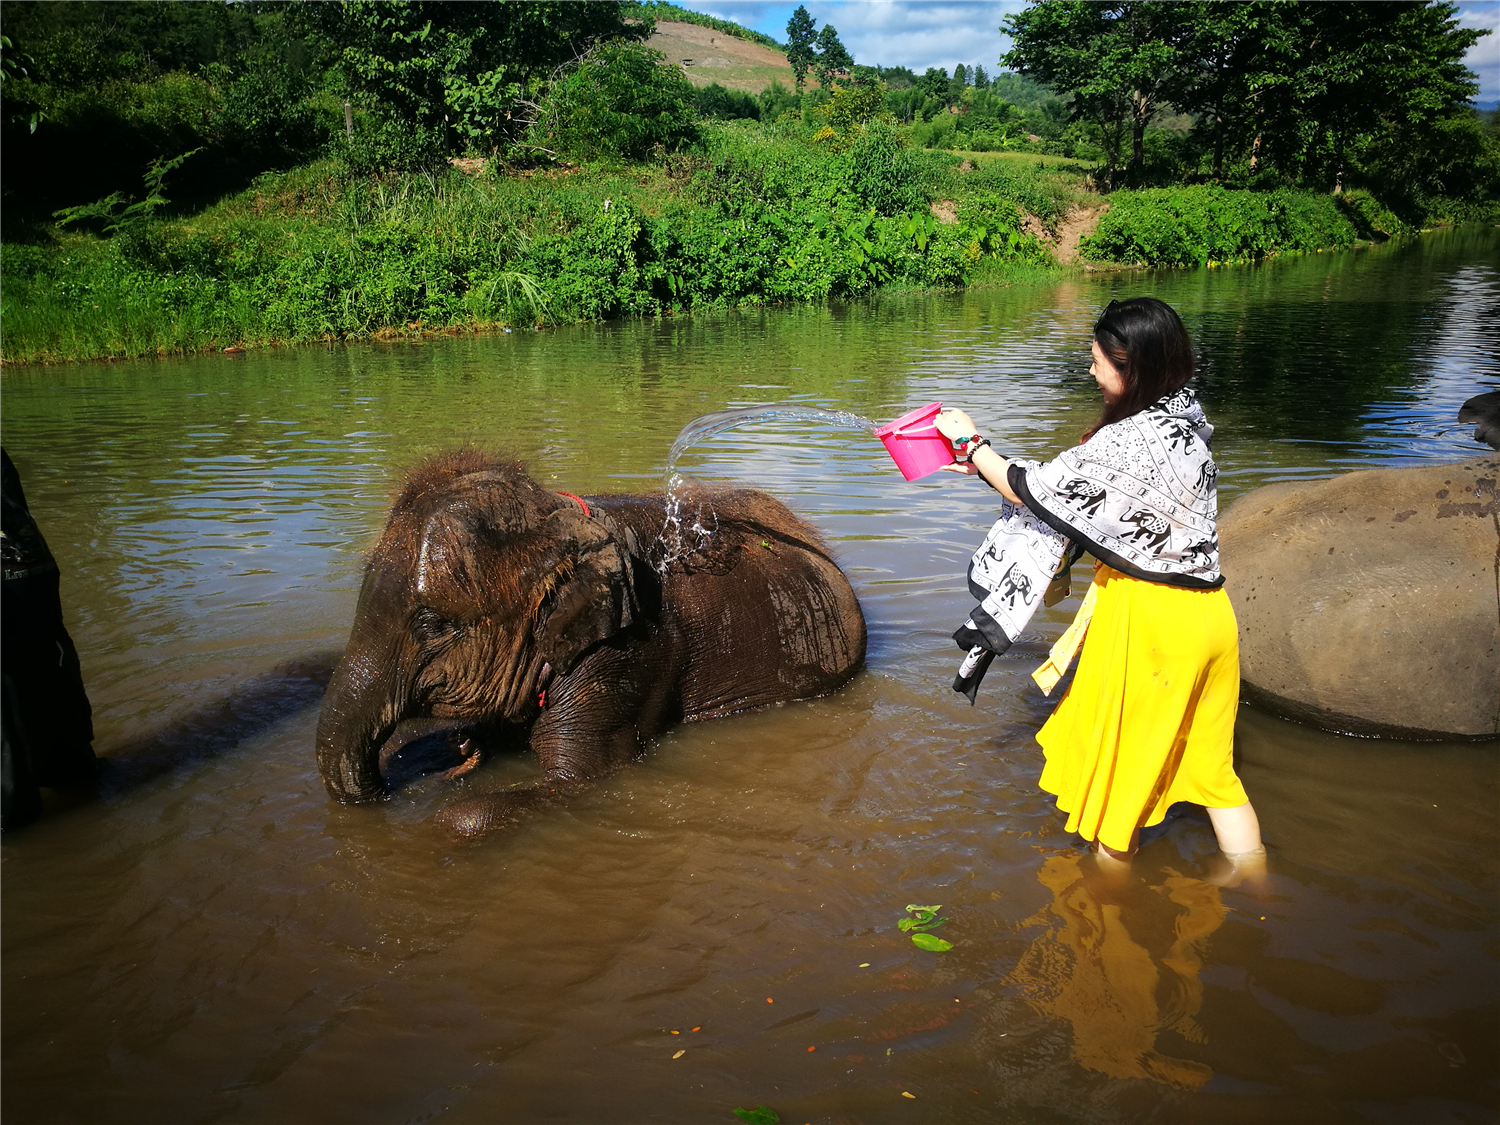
(679, 1054)
(927, 941)
(760, 1115)
(924, 918)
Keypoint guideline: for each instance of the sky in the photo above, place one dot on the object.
(923, 33)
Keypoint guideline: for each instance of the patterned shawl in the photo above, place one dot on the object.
(1140, 495)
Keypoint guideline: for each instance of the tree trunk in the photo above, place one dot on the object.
(1219, 144)
(1260, 133)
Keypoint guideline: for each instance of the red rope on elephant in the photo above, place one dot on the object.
(579, 499)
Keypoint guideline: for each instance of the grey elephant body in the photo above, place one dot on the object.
(491, 602)
(1370, 603)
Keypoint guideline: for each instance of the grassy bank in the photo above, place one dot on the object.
(760, 215)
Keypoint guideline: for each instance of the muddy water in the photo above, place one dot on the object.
(716, 927)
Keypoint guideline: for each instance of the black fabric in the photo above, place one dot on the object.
(1016, 477)
(46, 722)
(968, 685)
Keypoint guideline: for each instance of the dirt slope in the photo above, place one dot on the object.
(708, 56)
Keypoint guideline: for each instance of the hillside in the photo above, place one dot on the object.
(707, 56)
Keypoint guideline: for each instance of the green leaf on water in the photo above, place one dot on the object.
(926, 919)
(927, 941)
(760, 1115)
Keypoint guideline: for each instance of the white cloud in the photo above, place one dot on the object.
(911, 33)
(1484, 57)
(923, 33)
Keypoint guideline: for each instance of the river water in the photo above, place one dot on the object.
(716, 927)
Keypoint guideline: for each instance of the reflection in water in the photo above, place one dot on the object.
(1095, 967)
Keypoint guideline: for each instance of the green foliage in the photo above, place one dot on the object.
(714, 100)
(119, 216)
(923, 919)
(1371, 218)
(621, 100)
(760, 1115)
(461, 72)
(1326, 96)
(1196, 225)
(800, 39)
(759, 215)
(931, 943)
(832, 57)
(1121, 62)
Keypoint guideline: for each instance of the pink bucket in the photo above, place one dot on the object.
(915, 444)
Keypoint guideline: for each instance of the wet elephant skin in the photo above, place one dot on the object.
(492, 603)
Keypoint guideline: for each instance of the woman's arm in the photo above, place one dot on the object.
(954, 424)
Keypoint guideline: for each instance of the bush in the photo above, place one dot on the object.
(1194, 225)
(884, 173)
(714, 100)
(620, 101)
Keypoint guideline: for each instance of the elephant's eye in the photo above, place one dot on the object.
(431, 626)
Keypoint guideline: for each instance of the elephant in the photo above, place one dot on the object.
(507, 610)
(1485, 410)
(1370, 603)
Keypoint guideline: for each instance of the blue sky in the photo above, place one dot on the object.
(923, 33)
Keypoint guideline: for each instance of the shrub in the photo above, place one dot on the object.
(1371, 218)
(620, 101)
(714, 100)
(1193, 225)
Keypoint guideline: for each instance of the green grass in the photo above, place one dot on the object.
(761, 216)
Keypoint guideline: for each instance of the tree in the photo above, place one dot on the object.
(980, 80)
(459, 71)
(1121, 61)
(620, 100)
(934, 83)
(961, 74)
(799, 44)
(831, 56)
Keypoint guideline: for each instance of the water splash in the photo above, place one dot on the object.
(691, 520)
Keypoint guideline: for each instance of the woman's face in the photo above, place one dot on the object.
(1110, 381)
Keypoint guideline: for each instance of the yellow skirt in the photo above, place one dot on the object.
(1149, 719)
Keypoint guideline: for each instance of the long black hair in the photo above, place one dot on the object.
(1148, 345)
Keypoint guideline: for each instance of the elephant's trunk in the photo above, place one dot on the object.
(360, 711)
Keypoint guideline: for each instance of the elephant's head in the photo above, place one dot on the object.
(482, 586)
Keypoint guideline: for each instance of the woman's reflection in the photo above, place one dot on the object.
(1097, 967)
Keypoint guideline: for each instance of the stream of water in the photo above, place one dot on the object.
(716, 927)
(686, 531)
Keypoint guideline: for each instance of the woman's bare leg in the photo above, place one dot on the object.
(1237, 830)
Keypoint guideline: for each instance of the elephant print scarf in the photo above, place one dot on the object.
(1141, 495)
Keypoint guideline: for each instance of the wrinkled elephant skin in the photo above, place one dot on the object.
(1370, 603)
(495, 605)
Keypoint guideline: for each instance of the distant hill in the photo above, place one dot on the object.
(663, 10)
(709, 55)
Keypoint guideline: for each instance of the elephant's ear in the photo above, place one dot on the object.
(591, 594)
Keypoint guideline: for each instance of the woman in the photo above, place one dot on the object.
(1149, 718)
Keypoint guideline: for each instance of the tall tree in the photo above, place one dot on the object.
(1121, 60)
(458, 70)
(831, 55)
(800, 36)
(980, 79)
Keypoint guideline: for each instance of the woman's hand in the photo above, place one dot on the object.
(964, 467)
(953, 424)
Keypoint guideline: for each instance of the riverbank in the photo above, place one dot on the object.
(761, 216)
